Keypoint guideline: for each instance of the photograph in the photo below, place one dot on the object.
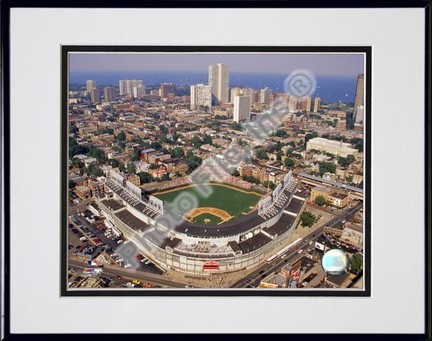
(215, 171)
(216, 168)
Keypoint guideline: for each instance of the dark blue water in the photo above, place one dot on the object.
(329, 88)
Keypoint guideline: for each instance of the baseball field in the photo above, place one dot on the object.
(223, 204)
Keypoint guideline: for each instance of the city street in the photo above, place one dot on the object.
(113, 270)
(292, 255)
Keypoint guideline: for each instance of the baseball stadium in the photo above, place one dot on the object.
(225, 203)
(220, 224)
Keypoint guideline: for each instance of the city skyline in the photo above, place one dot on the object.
(345, 65)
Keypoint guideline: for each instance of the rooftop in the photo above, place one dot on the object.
(254, 243)
(113, 205)
(132, 221)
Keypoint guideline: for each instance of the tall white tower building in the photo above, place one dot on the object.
(218, 77)
(90, 85)
(241, 108)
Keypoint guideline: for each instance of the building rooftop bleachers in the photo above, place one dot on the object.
(283, 224)
(113, 205)
(132, 221)
(254, 243)
(295, 205)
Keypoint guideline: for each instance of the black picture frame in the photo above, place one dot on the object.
(5, 165)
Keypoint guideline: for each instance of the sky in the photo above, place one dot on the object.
(344, 65)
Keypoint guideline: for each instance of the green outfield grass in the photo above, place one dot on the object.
(229, 199)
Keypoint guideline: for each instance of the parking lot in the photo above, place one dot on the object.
(89, 237)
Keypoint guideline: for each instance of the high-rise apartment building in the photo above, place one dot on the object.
(218, 77)
(126, 86)
(251, 93)
(308, 102)
(90, 85)
(235, 92)
(138, 91)
(359, 96)
(360, 115)
(122, 87)
(95, 95)
(167, 88)
(241, 108)
(265, 95)
(317, 103)
(243, 92)
(109, 93)
(200, 96)
(296, 104)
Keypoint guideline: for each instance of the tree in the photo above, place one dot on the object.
(289, 162)
(137, 155)
(95, 171)
(73, 129)
(281, 133)
(345, 161)
(251, 179)
(175, 136)
(320, 200)
(77, 163)
(99, 155)
(357, 143)
(269, 184)
(121, 136)
(220, 117)
(165, 177)
(113, 163)
(76, 149)
(207, 140)
(164, 139)
(307, 219)
(309, 136)
(356, 263)
(193, 161)
(156, 145)
(145, 177)
(72, 184)
(236, 126)
(163, 129)
(130, 169)
(325, 167)
(261, 154)
(196, 141)
(176, 152)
